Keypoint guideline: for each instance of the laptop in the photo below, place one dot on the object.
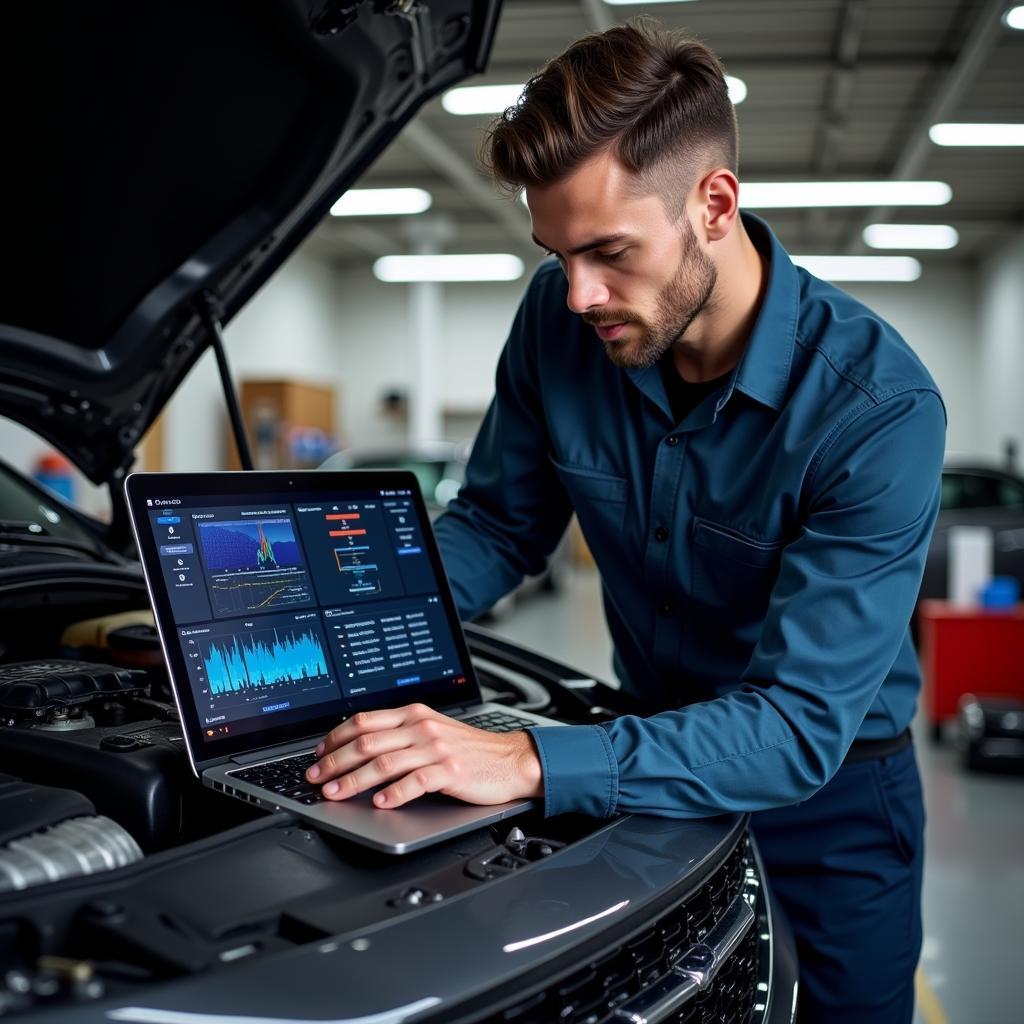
(285, 603)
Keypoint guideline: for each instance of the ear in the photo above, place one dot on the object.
(718, 194)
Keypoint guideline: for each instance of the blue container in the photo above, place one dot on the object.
(1000, 592)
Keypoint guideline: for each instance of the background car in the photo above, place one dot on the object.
(975, 494)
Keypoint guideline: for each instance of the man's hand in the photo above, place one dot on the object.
(419, 750)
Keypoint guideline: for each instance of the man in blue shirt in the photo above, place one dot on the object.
(754, 458)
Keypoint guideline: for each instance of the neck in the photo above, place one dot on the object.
(716, 340)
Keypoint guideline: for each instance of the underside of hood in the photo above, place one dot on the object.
(166, 154)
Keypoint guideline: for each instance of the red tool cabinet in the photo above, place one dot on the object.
(968, 650)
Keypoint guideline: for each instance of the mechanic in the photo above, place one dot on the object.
(754, 458)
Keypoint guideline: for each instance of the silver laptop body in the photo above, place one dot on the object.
(285, 602)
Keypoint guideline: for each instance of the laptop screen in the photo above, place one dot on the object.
(286, 602)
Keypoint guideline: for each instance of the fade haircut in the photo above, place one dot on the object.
(655, 98)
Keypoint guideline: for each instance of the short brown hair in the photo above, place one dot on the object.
(658, 98)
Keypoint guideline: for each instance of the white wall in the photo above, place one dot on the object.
(347, 329)
(373, 349)
(937, 316)
(288, 329)
(350, 331)
(1001, 362)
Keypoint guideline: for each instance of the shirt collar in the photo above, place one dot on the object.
(763, 372)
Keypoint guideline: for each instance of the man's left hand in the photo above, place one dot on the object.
(418, 750)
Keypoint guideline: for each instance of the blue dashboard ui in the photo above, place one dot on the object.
(280, 607)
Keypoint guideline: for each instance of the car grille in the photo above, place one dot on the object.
(592, 994)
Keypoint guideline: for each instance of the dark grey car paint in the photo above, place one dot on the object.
(456, 950)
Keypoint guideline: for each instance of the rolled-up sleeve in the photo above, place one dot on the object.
(512, 510)
(837, 618)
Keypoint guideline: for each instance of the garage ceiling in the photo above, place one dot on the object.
(841, 89)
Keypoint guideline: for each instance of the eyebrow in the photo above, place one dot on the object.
(597, 243)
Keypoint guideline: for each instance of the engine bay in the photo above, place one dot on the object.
(94, 776)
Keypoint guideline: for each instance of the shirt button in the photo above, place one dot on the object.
(672, 440)
(665, 609)
(661, 534)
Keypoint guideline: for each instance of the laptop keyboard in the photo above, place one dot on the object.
(287, 777)
(497, 721)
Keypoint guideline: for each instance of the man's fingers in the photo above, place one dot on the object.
(413, 750)
(387, 766)
(361, 749)
(371, 721)
(429, 779)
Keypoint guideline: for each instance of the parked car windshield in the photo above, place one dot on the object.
(961, 490)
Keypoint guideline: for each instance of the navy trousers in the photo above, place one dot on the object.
(846, 865)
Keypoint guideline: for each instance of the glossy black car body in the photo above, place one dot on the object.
(169, 156)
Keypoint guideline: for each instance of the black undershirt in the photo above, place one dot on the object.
(683, 396)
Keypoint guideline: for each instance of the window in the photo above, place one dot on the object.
(966, 490)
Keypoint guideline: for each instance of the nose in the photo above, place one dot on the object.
(586, 290)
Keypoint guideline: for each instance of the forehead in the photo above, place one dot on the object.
(600, 197)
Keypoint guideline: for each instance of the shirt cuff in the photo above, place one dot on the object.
(580, 770)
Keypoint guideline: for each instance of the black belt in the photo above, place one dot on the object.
(870, 750)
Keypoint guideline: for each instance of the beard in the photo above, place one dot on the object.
(681, 301)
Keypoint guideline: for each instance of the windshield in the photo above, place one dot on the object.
(25, 510)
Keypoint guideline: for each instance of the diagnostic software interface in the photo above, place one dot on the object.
(279, 607)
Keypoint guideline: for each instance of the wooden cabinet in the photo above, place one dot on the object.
(291, 424)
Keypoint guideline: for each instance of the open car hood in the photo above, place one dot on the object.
(166, 154)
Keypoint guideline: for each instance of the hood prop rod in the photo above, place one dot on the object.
(209, 313)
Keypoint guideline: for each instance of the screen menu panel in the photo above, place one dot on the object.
(285, 608)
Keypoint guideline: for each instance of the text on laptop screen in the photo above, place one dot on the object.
(287, 611)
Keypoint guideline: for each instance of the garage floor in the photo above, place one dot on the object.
(974, 875)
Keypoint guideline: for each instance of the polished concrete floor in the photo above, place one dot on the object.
(972, 964)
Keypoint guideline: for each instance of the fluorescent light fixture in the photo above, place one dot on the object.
(1014, 17)
(798, 194)
(911, 236)
(951, 134)
(380, 202)
(486, 266)
(481, 99)
(634, 3)
(737, 89)
(493, 99)
(861, 268)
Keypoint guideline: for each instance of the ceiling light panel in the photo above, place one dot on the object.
(861, 268)
(802, 194)
(472, 100)
(490, 266)
(953, 134)
(737, 89)
(911, 236)
(1014, 17)
(382, 202)
(481, 99)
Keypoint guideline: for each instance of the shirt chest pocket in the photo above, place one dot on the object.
(598, 498)
(733, 573)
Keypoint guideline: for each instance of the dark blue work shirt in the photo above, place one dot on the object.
(760, 559)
